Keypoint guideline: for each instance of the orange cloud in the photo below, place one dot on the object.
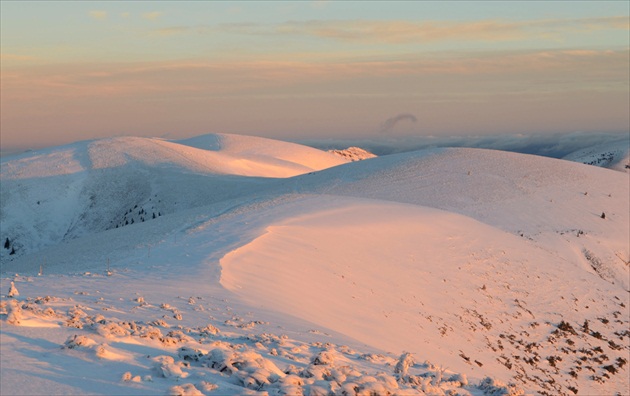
(172, 30)
(98, 14)
(16, 57)
(152, 16)
(536, 90)
(558, 70)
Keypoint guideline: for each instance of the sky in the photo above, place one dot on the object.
(80, 70)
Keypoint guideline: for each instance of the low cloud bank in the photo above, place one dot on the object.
(555, 145)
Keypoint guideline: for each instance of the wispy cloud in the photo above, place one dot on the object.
(125, 14)
(531, 71)
(152, 16)
(172, 30)
(410, 32)
(98, 14)
(16, 57)
(404, 31)
(475, 92)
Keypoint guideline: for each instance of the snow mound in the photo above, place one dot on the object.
(268, 152)
(403, 277)
(556, 204)
(208, 154)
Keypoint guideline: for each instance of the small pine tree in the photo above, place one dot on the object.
(7, 244)
(12, 251)
(603, 216)
(154, 215)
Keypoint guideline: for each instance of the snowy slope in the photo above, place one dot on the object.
(292, 158)
(445, 287)
(63, 193)
(614, 155)
(488, 267)
(545, 200)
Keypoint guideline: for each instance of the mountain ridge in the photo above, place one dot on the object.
(505, 272)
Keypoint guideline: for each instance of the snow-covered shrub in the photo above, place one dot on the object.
(387, 380)
(291, 385)
(405, 361)
(493, 387)
(324, 358)
(110, 329)
(317, 372)
(45, 299)
(175, 337)
(458, 380)
(207, 386)
(250, 369)
(323, 388)
(14, 312)
(254, 371)
(190, 354)
(208, 330)
(254, 379)
(184, 390)
(13, 291)
(221, 360)
(348, 389)
(166, 367)
(98, 318)
(128, 377)
(149, 332)
(160, 323)
(75, 317)
(76, 341)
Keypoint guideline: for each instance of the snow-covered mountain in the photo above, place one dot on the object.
(442, 271)
(613, 155)
(63, 193)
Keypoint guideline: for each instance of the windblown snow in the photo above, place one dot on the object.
(229, 264)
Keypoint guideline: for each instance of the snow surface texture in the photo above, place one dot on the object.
(444, 271)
